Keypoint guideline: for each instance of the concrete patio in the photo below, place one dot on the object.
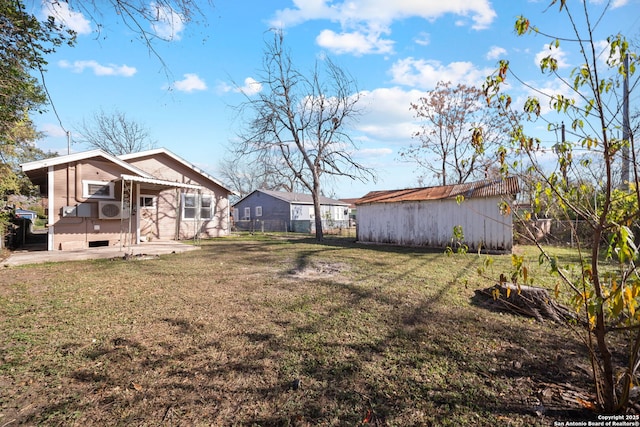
(36, 254)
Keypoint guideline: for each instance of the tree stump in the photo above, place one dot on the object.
(523, 300)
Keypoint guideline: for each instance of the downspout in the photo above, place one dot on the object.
(121, 207)
(51, 206)
(178, 213)
(78, 193)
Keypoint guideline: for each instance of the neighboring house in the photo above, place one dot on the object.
(26, 213)
(352, 210)
(427, 216)
(96, 199)
(267, 210)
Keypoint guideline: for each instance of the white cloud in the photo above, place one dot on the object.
(52, 130)
(618, 3)
(73, 20)
(190, 83)
(425, 74)
(496, 52)
(383, 12)
(357, 43)
(363, 21)
(555, 52)
(168, 24)
(251, 87)
(374, 152)
(387, 116)
(423, 39)
(99, 69)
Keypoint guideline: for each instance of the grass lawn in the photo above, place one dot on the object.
(277, 331)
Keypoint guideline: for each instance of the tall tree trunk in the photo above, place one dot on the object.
(316, 209)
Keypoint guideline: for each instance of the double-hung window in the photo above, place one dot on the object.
(194, 204)
(206, 206)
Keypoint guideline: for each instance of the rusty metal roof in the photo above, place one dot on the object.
(487, 188)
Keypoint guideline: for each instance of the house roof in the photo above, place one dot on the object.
(487, 188)
(83, 155)
(156, 151)
(297, 198)
(37, 170)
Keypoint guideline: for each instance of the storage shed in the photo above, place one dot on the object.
(427, 216)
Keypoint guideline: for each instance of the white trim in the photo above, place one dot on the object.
(177, 158)
(51, 206)
(61, 160)
(162, 182)
(153, 197)
(85, 189)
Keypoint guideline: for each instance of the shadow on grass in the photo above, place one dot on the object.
(386, 347)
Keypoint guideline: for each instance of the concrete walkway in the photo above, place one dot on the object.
(30, 256)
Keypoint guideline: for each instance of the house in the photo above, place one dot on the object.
(352, 210)
(26, 213)
(96, 199)
(267, 210)
(427, 216)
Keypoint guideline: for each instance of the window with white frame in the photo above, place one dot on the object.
(247, 213)
(258, 210)
(189, 208)
(206, 206)
(193, 203)
(98, 189)
(236, 214)
(147, 201)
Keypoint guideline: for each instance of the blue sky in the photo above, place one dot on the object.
(396, 50)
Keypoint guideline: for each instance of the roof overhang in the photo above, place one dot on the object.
(159, 183)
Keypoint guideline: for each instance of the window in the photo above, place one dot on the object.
(98, 189)
(148, 202)
(189, 206)
(206, 211)
(258, 210)
(247, 213)
(193, 203)
(236, 214)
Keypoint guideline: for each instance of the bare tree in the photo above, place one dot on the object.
(244, 175)
(458, 136)
(114, 133)
(303, 119)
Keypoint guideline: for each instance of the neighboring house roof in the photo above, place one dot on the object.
(350, 202)
(296, 198)
(487, 188)
(150, 153)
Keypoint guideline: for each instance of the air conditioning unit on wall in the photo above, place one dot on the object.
(112, 210)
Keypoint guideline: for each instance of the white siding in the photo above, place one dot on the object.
(431, 223)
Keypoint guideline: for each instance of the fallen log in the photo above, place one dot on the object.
(523, 300)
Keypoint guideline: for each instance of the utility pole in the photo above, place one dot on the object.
(626, 128)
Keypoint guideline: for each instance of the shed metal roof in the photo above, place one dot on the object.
(487, 188)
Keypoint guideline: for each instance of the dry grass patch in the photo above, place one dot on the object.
(274, 332)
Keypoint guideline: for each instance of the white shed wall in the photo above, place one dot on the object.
(431, 223)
